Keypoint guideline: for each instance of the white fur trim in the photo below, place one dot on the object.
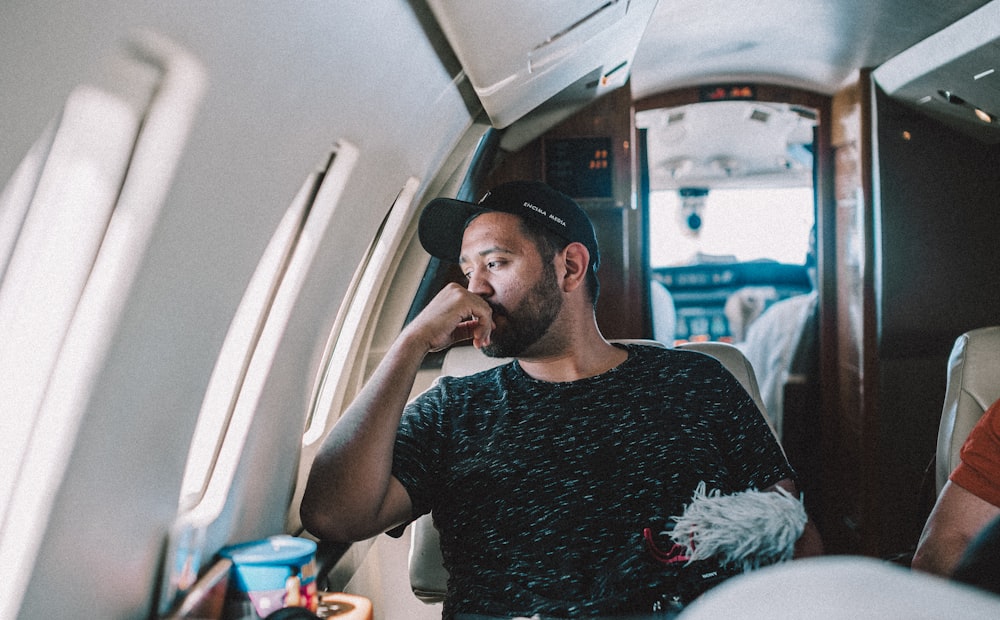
(749, 529)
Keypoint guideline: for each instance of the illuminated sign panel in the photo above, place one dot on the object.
(727, 92)
(579, 167)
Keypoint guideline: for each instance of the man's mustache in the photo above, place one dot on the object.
(498, 309)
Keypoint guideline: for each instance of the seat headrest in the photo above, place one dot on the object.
(664, 313)
(973, 385)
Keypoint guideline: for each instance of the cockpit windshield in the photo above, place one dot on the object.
(689, 227)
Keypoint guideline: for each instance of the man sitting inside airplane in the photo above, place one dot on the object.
(553, 478)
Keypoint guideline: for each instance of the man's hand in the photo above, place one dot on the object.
(452, 316)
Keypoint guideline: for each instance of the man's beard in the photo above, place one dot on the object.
(526, 324)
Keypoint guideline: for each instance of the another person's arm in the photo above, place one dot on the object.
(351, 493)
(955, 520)
(968, 501)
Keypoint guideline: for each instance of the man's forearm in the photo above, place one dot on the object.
(348, 494)
(351, 493)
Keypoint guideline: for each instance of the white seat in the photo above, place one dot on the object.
(664, 313)
(973, 385)
(461, 361)
(840, 588)
(428, 577)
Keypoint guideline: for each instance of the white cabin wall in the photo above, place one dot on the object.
(285, 81)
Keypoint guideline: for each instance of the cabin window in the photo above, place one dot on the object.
(254, 334)
(76, 219)
(53, 216)
(353, 330)
(439, 273)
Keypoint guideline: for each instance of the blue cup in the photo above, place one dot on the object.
(274, 573)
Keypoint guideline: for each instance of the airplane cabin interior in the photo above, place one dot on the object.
(208, 242)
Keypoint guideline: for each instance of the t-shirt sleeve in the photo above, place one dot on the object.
(756, 458)
(417, 452)
(979, 469)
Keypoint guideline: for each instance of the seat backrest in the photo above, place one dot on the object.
(841, 586)
(428, 577)
(663, 311)
(461, 361)
(973, 385)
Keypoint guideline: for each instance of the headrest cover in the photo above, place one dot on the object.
(443, 221)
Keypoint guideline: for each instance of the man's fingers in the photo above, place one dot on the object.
(482, 332)
(455, 315)
(479, 330)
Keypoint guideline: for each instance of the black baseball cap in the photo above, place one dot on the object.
(443, 221)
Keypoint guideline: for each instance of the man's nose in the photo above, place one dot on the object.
(479, 283)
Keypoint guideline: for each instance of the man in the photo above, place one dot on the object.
(968, 501)
(545, 475)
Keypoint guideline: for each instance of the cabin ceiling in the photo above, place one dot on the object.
(952, 76)
(810, 45)
(736, 144)
(532, 71)
(815, 46)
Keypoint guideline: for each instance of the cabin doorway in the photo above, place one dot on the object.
(732, 187)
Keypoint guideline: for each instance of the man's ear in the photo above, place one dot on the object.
(576, 259)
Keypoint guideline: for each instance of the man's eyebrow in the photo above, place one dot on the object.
(463, 259)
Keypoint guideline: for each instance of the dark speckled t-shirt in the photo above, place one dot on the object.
(541, 491)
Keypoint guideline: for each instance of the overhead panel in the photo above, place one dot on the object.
(954, 75)
(735, 144)
(519, 54)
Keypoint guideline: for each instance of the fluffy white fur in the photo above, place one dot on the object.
(749, 529)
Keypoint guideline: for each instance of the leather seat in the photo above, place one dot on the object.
(428, 577)
(973, 385)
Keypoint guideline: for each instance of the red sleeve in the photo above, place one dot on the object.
(979, 469)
